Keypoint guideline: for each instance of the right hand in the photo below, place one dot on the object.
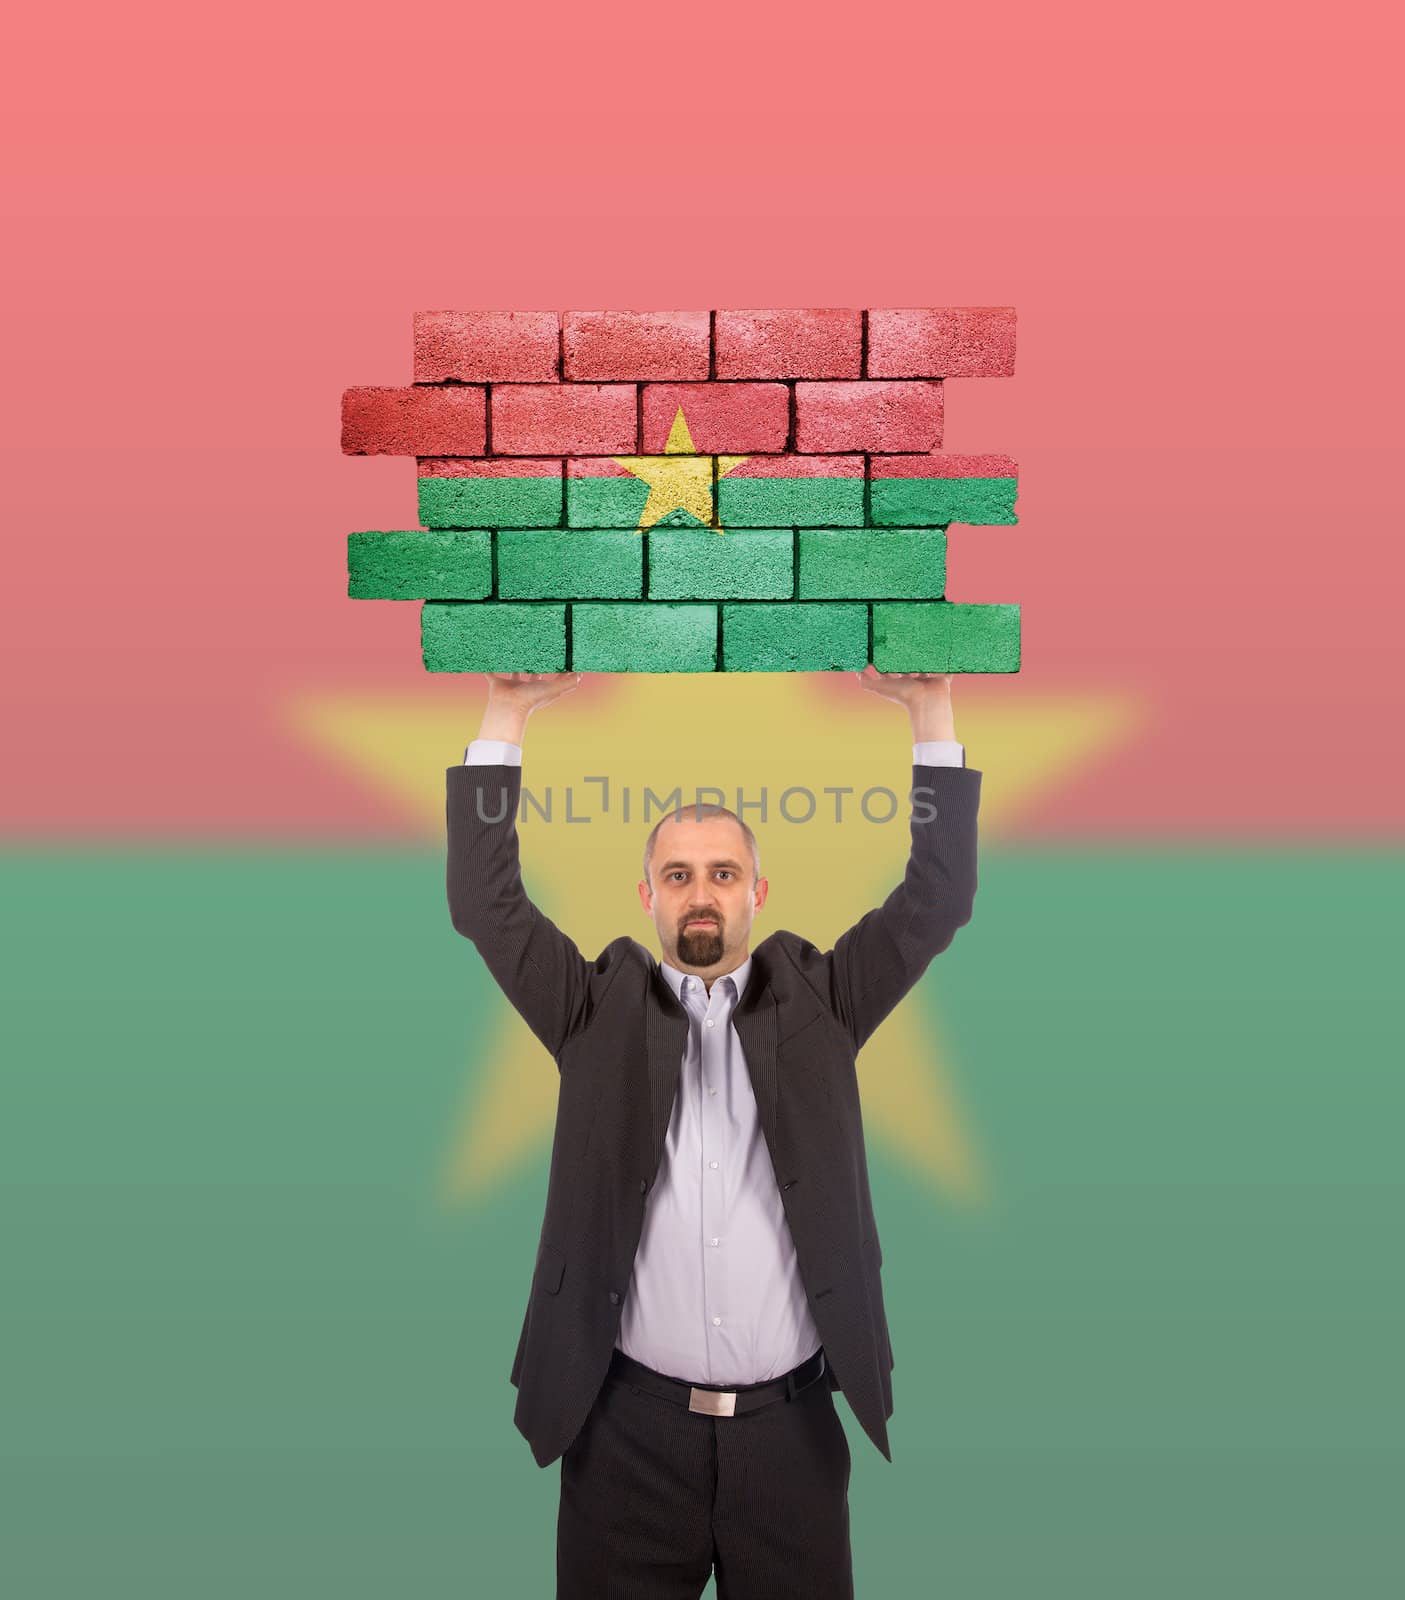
(525, 691)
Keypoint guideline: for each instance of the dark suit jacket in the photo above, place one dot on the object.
(618, 1033)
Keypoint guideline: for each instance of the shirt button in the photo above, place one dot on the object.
(714, 1241)
(712, 1163)
(710, 1022)
(717, 1322)
(712, 1091)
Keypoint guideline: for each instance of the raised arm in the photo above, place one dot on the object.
(536, 965)
(878, 960)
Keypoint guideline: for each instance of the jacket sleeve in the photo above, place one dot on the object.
(536, 965)
(878, 960)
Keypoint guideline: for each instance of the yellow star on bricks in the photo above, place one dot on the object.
(679, 480)
(756, 731)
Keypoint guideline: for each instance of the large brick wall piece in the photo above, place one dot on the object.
(758, 490)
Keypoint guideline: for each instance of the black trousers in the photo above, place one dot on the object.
(654, 1496)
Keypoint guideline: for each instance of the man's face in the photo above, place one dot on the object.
(703, 897)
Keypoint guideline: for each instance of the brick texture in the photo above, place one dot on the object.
(419, 566)
(944, 637)
(487, 346)
(791, 491)
(413, 422)
(522, 492)
(635, 344)
(708, 564)
(644, 637)
(794, 638)
(564, 564)
(504, 636)
(720, 416)
(872, 563)
(757, 490)
(825, 343)
(533, 419)
(942, 342)
(601, 493)
(868, 416)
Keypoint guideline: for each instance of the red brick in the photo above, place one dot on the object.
(636, 344)
(413, 422)
(942, 342)
(730, 417)
(868, 416)
(486, 346)
(824, 343)
(563, 419)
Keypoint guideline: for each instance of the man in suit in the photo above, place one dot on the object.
(709, 1270)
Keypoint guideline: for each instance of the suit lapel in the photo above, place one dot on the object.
(666, 1037)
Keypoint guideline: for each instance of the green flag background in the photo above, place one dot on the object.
(249, 1353)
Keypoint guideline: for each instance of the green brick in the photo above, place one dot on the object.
(568, 564)
(934, 502)
(696, 563)
(872, 563)
(493, 636)
(490, 502)
(605, 502)
(944, 637)
(641, 637)
(801, 636)
(790, 502)
(411, 565)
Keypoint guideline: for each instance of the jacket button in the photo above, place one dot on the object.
(614, 1297)
(643, 1186)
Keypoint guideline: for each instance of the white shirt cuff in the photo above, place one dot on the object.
(938, 753)
(492, 752)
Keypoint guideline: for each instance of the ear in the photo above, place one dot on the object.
(646, 898)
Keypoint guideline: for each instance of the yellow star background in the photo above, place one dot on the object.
(759, 731)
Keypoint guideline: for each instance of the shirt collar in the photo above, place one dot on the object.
(738, 975)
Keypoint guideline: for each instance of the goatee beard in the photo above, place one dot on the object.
(700, 947)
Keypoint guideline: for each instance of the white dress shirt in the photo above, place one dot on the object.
(715, 1295)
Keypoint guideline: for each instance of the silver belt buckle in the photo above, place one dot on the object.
(713, 1402)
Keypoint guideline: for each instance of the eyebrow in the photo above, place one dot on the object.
(669, 865)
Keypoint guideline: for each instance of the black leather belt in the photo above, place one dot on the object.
(711, 1399)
